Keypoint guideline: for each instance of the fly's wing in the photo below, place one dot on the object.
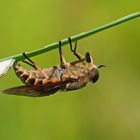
(39, 91)
(22, 91)
(31, 91)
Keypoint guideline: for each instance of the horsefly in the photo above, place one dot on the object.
(64, 77)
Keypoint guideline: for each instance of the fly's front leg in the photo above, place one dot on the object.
(78, 55)
(62, 59)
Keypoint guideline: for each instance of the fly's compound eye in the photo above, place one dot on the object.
(94, 75)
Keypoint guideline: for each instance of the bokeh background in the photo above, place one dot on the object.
(107, 110)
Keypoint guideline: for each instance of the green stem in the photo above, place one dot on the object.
(74, 38)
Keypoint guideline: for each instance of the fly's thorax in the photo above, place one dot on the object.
(73, 71)
(79, 73)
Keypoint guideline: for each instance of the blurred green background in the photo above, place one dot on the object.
(107, 110)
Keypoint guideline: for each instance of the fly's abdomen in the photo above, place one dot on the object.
(26, 76)
(44, 78)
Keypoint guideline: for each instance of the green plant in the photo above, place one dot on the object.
(20, 57)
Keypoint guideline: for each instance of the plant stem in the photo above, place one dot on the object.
(74, 38)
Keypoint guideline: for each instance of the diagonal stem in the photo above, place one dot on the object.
(74, 38)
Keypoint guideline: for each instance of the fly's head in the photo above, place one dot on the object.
(92, 68)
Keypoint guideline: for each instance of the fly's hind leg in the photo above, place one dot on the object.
(36, 67)
(62, 59)
(78, 55)
(31, 63)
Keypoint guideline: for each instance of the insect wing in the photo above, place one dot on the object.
(39, 91)
(22, 91)
(31, 91)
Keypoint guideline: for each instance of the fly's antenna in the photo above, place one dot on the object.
(101, 66)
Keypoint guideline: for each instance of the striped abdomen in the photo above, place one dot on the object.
(31, 77)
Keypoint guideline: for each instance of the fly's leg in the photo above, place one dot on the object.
(62, 59)
(31, 63)
(78, 55)
(36, 67)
